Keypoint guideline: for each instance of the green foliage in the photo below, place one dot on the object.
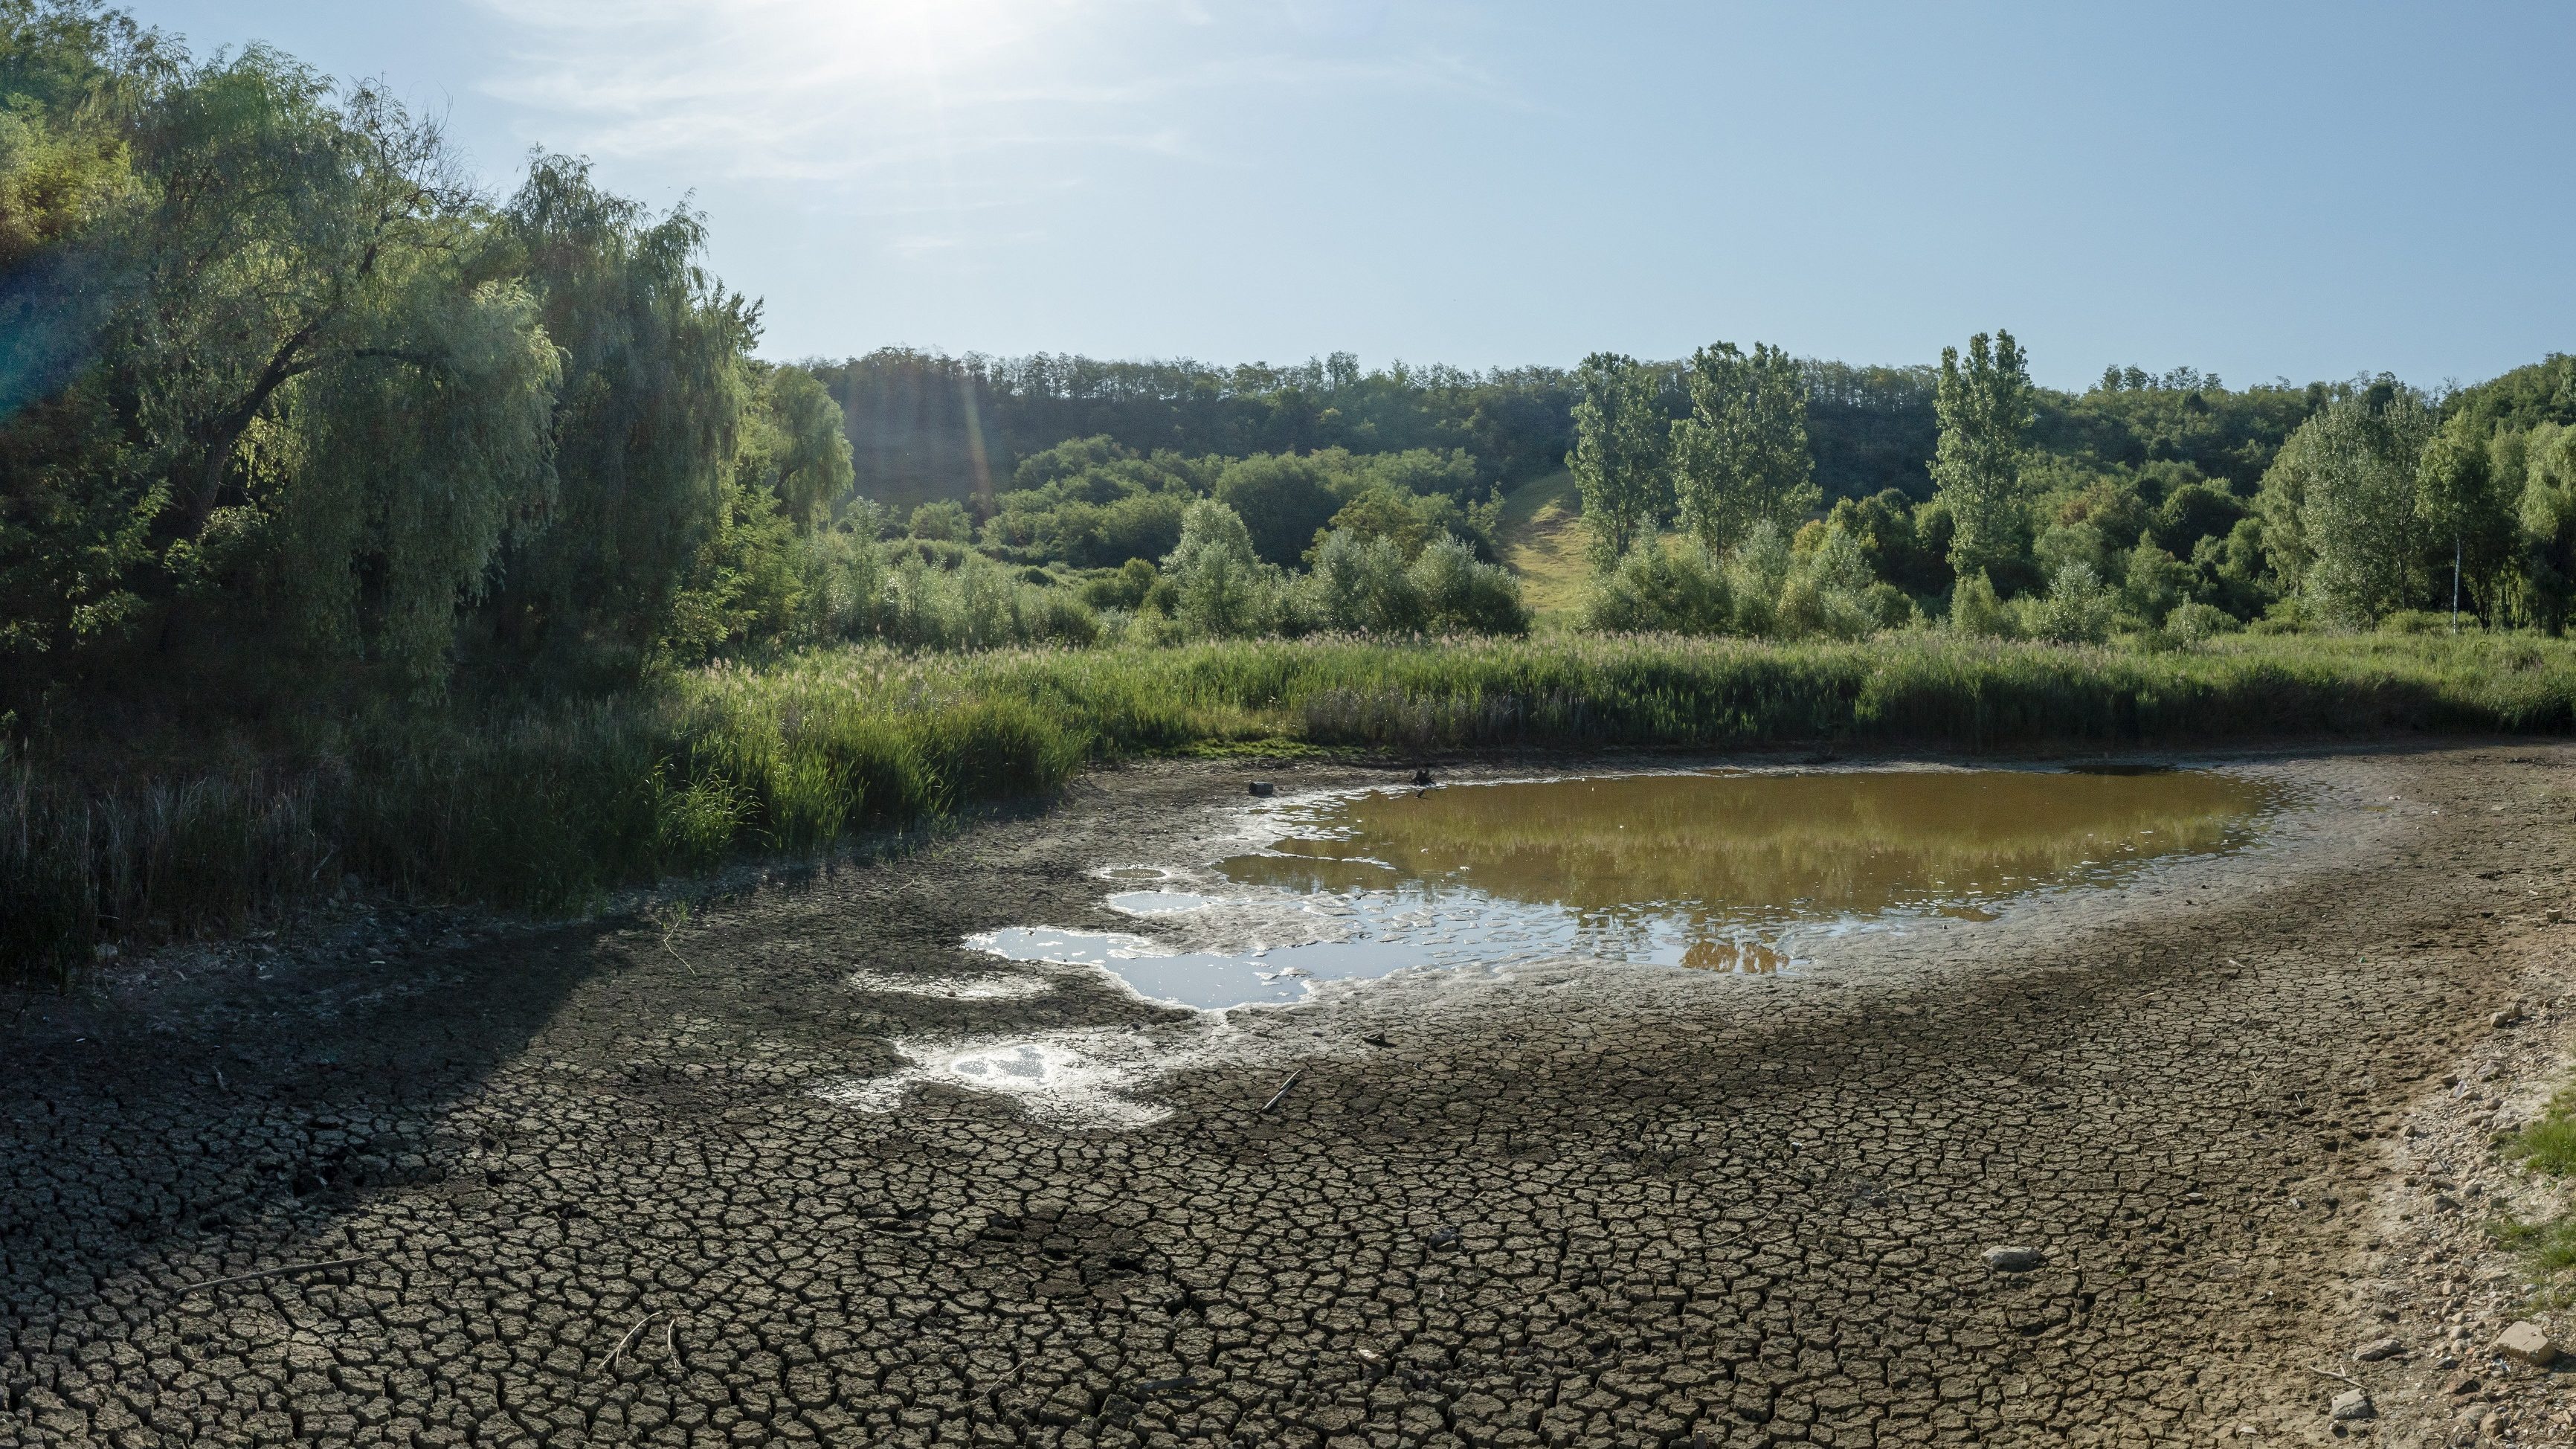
(1827, 590)
(2078, 608)
(2156, 584)
(1283, 501)
(1661, 589)
(2195, 622)
(1462, 594)
(1977, 612)
(1620, 438)
(1895, 542)
(1220, 588)
(1985, 411)
(792, 446)
(648, 420)
(2340, 507)
(942, 521)
(1359, 584)
(1741, 456)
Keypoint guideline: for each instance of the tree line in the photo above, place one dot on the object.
(2150, 502)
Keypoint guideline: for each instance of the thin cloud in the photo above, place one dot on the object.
(966, 98)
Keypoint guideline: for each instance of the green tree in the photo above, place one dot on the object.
(1620, 438)
(2463, 501)
(646, 424)
(1741, 456)
(2340, 504)
(1985, 410)
(792, 445)
(1283, 499)
(1220, 586)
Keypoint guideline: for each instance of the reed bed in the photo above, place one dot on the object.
(548, 811)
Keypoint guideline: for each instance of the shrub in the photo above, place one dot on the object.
(2194, 622)
(1220, 589)
(1464, 595)
(1976, 612)
(1360, 585)
(1827, 590)
(943, 520)
(2077, 609)
(2415, 621)
(1660, 589)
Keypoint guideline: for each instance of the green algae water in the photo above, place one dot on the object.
(1720, 870)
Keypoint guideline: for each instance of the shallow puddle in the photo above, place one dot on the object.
(1730, 871)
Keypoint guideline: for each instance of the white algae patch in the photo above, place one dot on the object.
(997, 986)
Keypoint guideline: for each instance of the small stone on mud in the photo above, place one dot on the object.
(2526, 1342)
(1264, 787)
(2354, 1404)
(2377, 1349)
(2014, 1260)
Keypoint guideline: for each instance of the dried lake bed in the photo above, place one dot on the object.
(822, 1165)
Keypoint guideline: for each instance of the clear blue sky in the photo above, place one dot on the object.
(2252, 189)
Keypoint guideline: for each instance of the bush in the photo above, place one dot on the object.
(1661, 589)
(1220, 589)
(944, 521)
(1976, 611)
(2194, 622)
(1827, 590)
(2415, 621)
(1360, 585)
(2077, 609)
(1464, 595)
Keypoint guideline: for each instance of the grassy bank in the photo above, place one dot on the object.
(548, 811)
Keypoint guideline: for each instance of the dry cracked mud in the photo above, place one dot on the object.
(607, 1184)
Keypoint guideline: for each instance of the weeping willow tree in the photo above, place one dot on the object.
(296, 410)
(282, 392)
(647, 419)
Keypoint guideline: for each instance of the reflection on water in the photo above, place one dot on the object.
(1722, 871)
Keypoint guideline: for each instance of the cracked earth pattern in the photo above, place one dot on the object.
(600, 1189)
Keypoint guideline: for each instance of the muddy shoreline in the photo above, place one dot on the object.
(1541, 1207)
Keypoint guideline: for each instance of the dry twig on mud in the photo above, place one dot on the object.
(1283, 1089)
(671, 916)
(2330, 1373)
(628, 1341)
(280, 1272)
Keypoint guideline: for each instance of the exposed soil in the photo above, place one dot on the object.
(606, 1184)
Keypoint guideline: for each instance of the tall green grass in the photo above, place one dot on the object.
(548, 811)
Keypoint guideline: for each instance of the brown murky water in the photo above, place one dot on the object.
(1715, 854)
(1724, 870)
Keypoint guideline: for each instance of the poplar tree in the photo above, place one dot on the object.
(1741, 457)
(1984, 411)
(1618, 457)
